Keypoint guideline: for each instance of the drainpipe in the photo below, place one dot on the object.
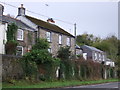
(37, 33)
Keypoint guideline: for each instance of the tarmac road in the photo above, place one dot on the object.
(104, 86)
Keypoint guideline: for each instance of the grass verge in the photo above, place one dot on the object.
(55, 84)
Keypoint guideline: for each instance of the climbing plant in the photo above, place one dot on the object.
(66, 65)
(11, 39)
(46, 64)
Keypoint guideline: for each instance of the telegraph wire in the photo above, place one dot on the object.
(38, 13)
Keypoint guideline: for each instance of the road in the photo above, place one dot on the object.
(105, 85)
(112, 85)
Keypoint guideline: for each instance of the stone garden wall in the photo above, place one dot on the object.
(11, 67)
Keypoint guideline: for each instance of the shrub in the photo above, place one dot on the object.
(46, 64)
(66, 67)
(64, 53)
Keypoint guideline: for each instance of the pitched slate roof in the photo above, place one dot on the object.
(92, 48)
(19, 23)
(77, 47)
(48, 26)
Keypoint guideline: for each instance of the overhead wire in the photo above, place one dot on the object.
(37, 13)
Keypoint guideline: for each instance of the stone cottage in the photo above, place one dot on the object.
(93, 53)
(55, 35)
(25, 34)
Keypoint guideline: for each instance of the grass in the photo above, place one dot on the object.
(55, 84)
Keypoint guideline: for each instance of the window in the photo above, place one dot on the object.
(49, 50)
(95, 56)
(20, 34)
(99, 56)
(68, 41)
(103, 58)
(60, 39)
(19, 51)
(48, 36)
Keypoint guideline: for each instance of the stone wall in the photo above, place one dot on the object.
(11, 67)
(54, 44)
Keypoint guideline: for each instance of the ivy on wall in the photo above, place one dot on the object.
(12, 32)
(11, 44)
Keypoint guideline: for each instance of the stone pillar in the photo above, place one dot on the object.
(105, 74)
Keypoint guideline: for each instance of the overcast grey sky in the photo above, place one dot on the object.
(97, 18)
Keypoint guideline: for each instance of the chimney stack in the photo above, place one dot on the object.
(50, 20)
(1, 12)
(21, 11)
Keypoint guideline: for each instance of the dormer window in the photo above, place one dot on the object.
(20, 34)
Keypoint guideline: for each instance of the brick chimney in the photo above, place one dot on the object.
(50, 20)
(21, 11)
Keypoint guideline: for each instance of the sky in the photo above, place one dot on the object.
(97, 18)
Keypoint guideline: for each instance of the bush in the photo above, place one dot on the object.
(64, 53)
(66, 66)
(29, 68)
(46, 64)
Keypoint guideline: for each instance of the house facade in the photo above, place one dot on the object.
(56, 36)
(2, 37)
(25, 34)
(3, 28)
(78, 50)
(110, 63)
(30, 28)
(93, 53)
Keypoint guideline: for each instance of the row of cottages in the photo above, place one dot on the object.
(92, 53)
(30, 28)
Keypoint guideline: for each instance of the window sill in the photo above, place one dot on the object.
(20, 39)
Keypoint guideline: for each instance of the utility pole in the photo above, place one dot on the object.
(75, 36)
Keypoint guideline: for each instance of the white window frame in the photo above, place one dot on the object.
(68, 41)
(60, 39)
(100, 57)
(22, 49)
(22, 35)
(103, 57)
(49, 50)
(96, 56)
(48, 36)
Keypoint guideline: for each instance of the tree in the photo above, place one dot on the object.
(66, 68)
(64, 53)
(41, 44)
(109, 45)
(39, 52)
(43, 59)
(87, 39)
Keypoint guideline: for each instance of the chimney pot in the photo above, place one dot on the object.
(22, 5)
(21, 11)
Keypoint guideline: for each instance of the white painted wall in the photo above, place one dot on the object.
(111, 63)
(28, 22)
(3, 39)
(85, 56)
